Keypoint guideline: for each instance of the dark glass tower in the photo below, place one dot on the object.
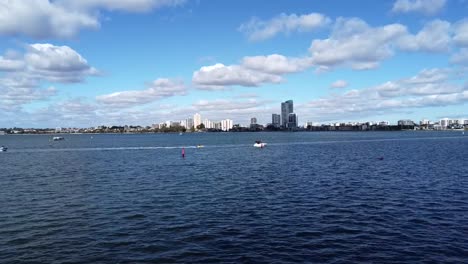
(286, 109)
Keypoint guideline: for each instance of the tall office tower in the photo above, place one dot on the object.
(196, 120)
(286, 109)
(292, 120)
(253, 121)
(276, 120)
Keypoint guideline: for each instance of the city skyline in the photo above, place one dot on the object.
(76, 63)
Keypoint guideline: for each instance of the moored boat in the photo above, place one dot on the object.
(57, 138)
(3, 149)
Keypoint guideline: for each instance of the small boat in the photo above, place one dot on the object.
(200, 146)
(3, 149)
(259, 144)
(57, 138)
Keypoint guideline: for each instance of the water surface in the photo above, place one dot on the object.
(329, 197)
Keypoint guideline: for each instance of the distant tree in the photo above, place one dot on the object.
(201, 126)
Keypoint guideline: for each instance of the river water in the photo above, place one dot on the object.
(323, 197)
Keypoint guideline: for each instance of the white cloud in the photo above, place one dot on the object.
(427, 7)
(10, 64)
(276, 64)
(339, 84)
(16, 92)
(158, 89)
(353, 42)
(257, 29)
(429, 88)
(460, 57)
(64, 18)
(40, 63)
(57, 63)
(42, 19)
(434, 37)
(124, 5)
(461, 33)
(216, 77)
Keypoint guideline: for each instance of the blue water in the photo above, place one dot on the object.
(385, 197)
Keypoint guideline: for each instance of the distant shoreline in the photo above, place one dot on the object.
(300, 131)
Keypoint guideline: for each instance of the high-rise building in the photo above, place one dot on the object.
(208, 124)
(292, 120)
(253, 121)
(286, 109)
(226, 124)
(276, 120)
(196, 120)
(189, 123)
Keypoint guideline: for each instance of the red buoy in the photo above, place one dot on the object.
(183, 152)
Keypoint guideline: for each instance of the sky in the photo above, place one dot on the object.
(83, 63)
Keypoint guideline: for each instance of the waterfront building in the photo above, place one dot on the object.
(208, 124)
(276, 120)
(286, 109)
(197, 120)
(226, 124)
(189, 123)
(217, 125)
(292, 121)
(405, 122)
(381, 123)
(174, 124)
(444, 123)
(253, 121)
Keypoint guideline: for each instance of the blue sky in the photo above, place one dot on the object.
(80, 63)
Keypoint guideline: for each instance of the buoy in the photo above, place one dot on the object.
(183, 152)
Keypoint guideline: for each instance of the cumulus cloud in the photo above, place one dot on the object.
(10, 64)
(461, 33)
(339, 84)
(42, 19)
(353, 42)
(158, 89)
(57, 63)
(64, 18)
(428, 88)
(217, 76)
(434, 37)
(461, 57)
(40, 63)
(427, 7)
(257, 29)
(276, 64)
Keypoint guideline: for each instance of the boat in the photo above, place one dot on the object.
(3, 149)
(200, 146)
(57, 138)
(259, 144)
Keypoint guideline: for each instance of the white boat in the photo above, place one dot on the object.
(57, 138)
(3, 149)
(259, 144)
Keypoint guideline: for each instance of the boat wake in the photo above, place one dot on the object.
(228, 145)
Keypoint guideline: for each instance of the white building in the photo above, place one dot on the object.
(226, 124)
(197, 120)
(208, 124)
(444, 123)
